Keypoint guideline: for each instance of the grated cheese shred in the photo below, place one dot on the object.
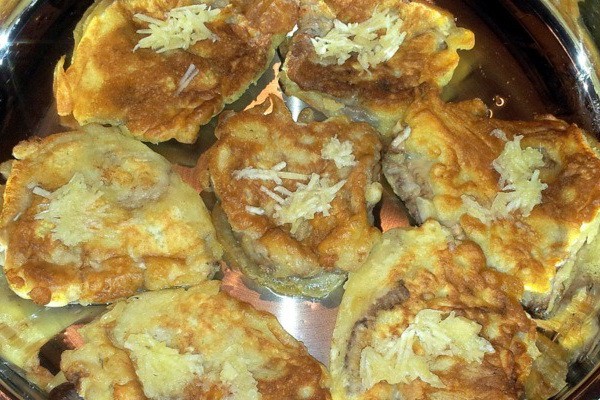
(255, 210)
(284, 191)
(500, 134)
(274, 174)
(339, 152)
(187, 78)
(363, 39)
(520, 184)
(75, 210)
(401, 138)
(182, 28)
(41, 192)
(411, 356)
(272, 194)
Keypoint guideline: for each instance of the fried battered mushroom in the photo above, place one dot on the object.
(336, 60)
(424, 318)
(525, 191)
(297, 197)
(92, 217)
(165, 92)
(198, 343)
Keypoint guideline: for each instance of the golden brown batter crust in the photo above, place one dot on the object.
(335, 243)
(381, 95)
(203, 327)
(92, 217)
(449, 154)
(416, 269)
(109, 83)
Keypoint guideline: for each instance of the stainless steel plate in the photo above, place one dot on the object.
(526, 62)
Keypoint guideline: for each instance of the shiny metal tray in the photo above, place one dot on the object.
(529, 59)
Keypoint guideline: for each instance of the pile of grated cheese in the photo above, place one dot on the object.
(395, 360)
(520, 184)
(182, 28)
(362, 38)
(75, 210)
(339, 152)
(292, 207)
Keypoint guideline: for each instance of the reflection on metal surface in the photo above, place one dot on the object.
(4, 43)
(311, 322)
(16, 385)
(564, 20)
(582, 20)
(271, 88)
